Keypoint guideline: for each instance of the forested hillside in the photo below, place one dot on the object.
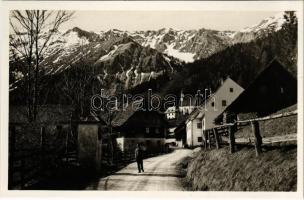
(242, 62)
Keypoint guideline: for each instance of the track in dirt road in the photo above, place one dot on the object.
(160, 175)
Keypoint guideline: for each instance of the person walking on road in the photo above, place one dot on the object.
(139, 158)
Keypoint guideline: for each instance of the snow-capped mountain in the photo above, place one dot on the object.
(261, 29)
(116, 58)
(190, 45)
(186, 45)
(137, 57)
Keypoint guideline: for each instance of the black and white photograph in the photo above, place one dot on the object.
(154, 100)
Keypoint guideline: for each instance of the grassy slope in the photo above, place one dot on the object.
(217, 170)
(274, 127)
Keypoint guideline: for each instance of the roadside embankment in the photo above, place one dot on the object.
(218, 170)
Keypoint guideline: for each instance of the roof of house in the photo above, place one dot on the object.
(124, 114)
(269, 76)
(93, 117)
(193, 115)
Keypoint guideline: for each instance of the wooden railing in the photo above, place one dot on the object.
(215, 134)
(28, 166)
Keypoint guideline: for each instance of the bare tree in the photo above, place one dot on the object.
(78, 80)
(31, 33)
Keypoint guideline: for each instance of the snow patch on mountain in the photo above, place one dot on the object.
(187, 57)
(73, 39)
(108, 55)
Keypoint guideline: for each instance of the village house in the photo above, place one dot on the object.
(177, 115)
(171, 138)
(186, 105)
(202, 118)
(135, 126)
(273, 89)
(171, 112)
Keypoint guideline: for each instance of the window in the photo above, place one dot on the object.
(156, 130)
(147, 130)
(212, 104)
(282, 90)
(231, 89)
(199, 125)
(224, 103)
(199, 139)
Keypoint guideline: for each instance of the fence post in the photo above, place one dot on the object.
(232, 130)
(257, 137)
(205, 139)
(209, 139)
(217, 140)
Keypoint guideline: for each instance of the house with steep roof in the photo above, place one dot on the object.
(273, 89)
(134, 126)
(202, 118)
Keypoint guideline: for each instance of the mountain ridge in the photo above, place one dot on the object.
(121, 60)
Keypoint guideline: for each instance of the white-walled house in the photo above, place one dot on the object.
(171, 112)
(194, 130)
(202, 118)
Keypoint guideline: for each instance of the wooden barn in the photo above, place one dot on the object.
(148, 128)
(274, 89)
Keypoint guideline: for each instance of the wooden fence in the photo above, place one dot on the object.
(29, 165)
(213, 137)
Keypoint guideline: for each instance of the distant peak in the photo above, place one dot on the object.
(75, 29)
(276, 21)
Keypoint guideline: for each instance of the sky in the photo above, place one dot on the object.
(154, 20)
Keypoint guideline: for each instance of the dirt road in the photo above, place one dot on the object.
(160, 175)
